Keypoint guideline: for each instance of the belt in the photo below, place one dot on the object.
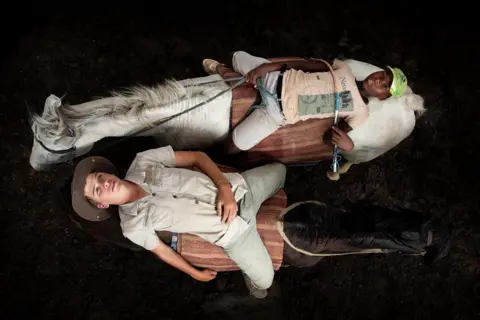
(280, 86)
(174, 242)
(279, 90)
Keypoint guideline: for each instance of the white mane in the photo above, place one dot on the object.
(132, 102)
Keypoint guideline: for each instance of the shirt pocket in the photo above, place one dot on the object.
(157, 217)
(159, 175)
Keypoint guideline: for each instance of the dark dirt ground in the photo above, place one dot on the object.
(51, 269)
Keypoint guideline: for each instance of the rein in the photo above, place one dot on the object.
(240, 80)
(336, 156)
(63, 151)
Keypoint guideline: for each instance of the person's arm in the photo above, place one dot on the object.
(342, 140)
(226, 203)
(304, 65)
(339, 136)
(344, 126)
(174, 259)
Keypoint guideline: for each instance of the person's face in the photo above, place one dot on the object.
(378, 84)
(106, 189)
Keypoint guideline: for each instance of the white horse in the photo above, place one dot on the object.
(66, 131)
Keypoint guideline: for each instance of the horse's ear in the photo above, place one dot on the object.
(51, 103)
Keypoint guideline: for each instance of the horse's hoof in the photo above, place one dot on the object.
(345, 167)
(333, 176)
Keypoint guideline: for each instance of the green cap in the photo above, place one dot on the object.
(399, 82)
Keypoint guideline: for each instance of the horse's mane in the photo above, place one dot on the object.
(130, 102)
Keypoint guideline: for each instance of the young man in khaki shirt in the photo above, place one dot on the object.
(159, 192)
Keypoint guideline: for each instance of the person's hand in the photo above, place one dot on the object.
(226, 204)
(205, 275)
(341, 139)
(252, 76)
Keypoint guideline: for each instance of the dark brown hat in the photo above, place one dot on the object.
(82, 205)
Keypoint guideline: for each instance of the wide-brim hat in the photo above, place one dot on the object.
(82, 205)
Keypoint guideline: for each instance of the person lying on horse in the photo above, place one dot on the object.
(299, 90)
(161, 192)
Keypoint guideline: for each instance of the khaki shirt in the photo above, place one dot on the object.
(178, 200)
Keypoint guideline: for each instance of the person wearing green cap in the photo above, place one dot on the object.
(399, 82)
(299, 90)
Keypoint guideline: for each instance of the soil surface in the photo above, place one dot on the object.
(52, 269)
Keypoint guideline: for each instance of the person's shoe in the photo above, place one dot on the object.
(210, 66)
(254, 291)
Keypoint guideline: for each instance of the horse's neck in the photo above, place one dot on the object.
(384, 129)
(128, 123)
(200, 127)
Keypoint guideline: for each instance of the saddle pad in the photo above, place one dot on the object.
(203, 254)
(296, 143)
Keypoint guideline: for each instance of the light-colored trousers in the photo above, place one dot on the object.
(248, 251)
(261, 122)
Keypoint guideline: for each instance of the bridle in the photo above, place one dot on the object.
(71, 150)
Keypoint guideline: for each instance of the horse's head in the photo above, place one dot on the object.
(54, 139)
